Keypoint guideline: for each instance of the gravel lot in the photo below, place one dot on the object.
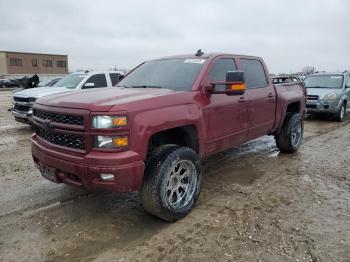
(256, 205)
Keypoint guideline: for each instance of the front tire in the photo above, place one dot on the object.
(339, 116)
(172, 182)
(291, 134)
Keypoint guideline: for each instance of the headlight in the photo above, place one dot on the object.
(109, 121)
(330, 96)
(110, 142)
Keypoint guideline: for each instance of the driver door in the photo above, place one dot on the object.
(227, 125)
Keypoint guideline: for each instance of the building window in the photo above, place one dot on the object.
(34, 62)
(62, 64)
(47, 63)
(15, 62)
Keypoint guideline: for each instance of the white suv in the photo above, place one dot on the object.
(23, 100)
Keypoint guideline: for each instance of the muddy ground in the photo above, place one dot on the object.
(256, 205)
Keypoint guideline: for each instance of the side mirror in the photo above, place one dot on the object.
(234, 84)
(89, 85)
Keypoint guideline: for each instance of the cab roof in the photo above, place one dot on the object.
(87, 72)
(204, 56)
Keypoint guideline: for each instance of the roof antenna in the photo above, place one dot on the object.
(199, 52)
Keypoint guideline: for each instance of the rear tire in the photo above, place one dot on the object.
(339, 116)
(172, 182)
(291, 134)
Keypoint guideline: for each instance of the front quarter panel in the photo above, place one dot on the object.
(145, 124)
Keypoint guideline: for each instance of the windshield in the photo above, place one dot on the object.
(324, 81)
(70, 81)
(44, 83)
(176, 74)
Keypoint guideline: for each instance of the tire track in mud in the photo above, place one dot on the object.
(228, 175)
(268, 208)
(219, 184)
(257, 148)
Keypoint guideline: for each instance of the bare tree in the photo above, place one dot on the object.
(308, 69)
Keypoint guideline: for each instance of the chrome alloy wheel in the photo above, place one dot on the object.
(342, 111)
(181, 183)
(296, 133)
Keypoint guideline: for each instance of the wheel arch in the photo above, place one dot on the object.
(291, 107)
(184, 135)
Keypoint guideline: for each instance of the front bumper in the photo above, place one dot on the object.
(22, 116)
(322, 106)
(84, 171)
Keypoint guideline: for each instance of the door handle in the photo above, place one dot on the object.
(241, 99)
(270, 95)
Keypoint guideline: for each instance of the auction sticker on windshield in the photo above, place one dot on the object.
(194, 61)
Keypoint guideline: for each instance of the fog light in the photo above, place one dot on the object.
(107, 176)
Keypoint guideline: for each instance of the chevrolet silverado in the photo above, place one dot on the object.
(152, 132)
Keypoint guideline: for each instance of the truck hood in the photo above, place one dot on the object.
(102, 99)
(321, 92)
(41, 91)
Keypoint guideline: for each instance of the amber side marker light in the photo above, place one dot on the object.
(120, 121)
(238, 87)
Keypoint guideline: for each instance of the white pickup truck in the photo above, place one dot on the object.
(23, 100)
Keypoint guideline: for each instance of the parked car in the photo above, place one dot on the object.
(48, 82)
(22, 83)
(285, 79)
(5, 83)
(23, 100)
(151, 133)
(328, 93)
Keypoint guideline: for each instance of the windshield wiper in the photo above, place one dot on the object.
(317, 87)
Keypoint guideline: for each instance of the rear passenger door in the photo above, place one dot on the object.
(261, 98)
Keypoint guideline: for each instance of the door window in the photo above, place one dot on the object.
(114, 78)
(254, 73)
(219, 69)
(99, 80)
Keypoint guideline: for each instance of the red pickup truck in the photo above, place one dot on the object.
(151, 131)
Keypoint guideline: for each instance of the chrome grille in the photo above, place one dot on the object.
(24, 99)
(312, 97)
(21, 108)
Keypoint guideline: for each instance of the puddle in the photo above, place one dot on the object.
(98, 223)
(230, 172)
